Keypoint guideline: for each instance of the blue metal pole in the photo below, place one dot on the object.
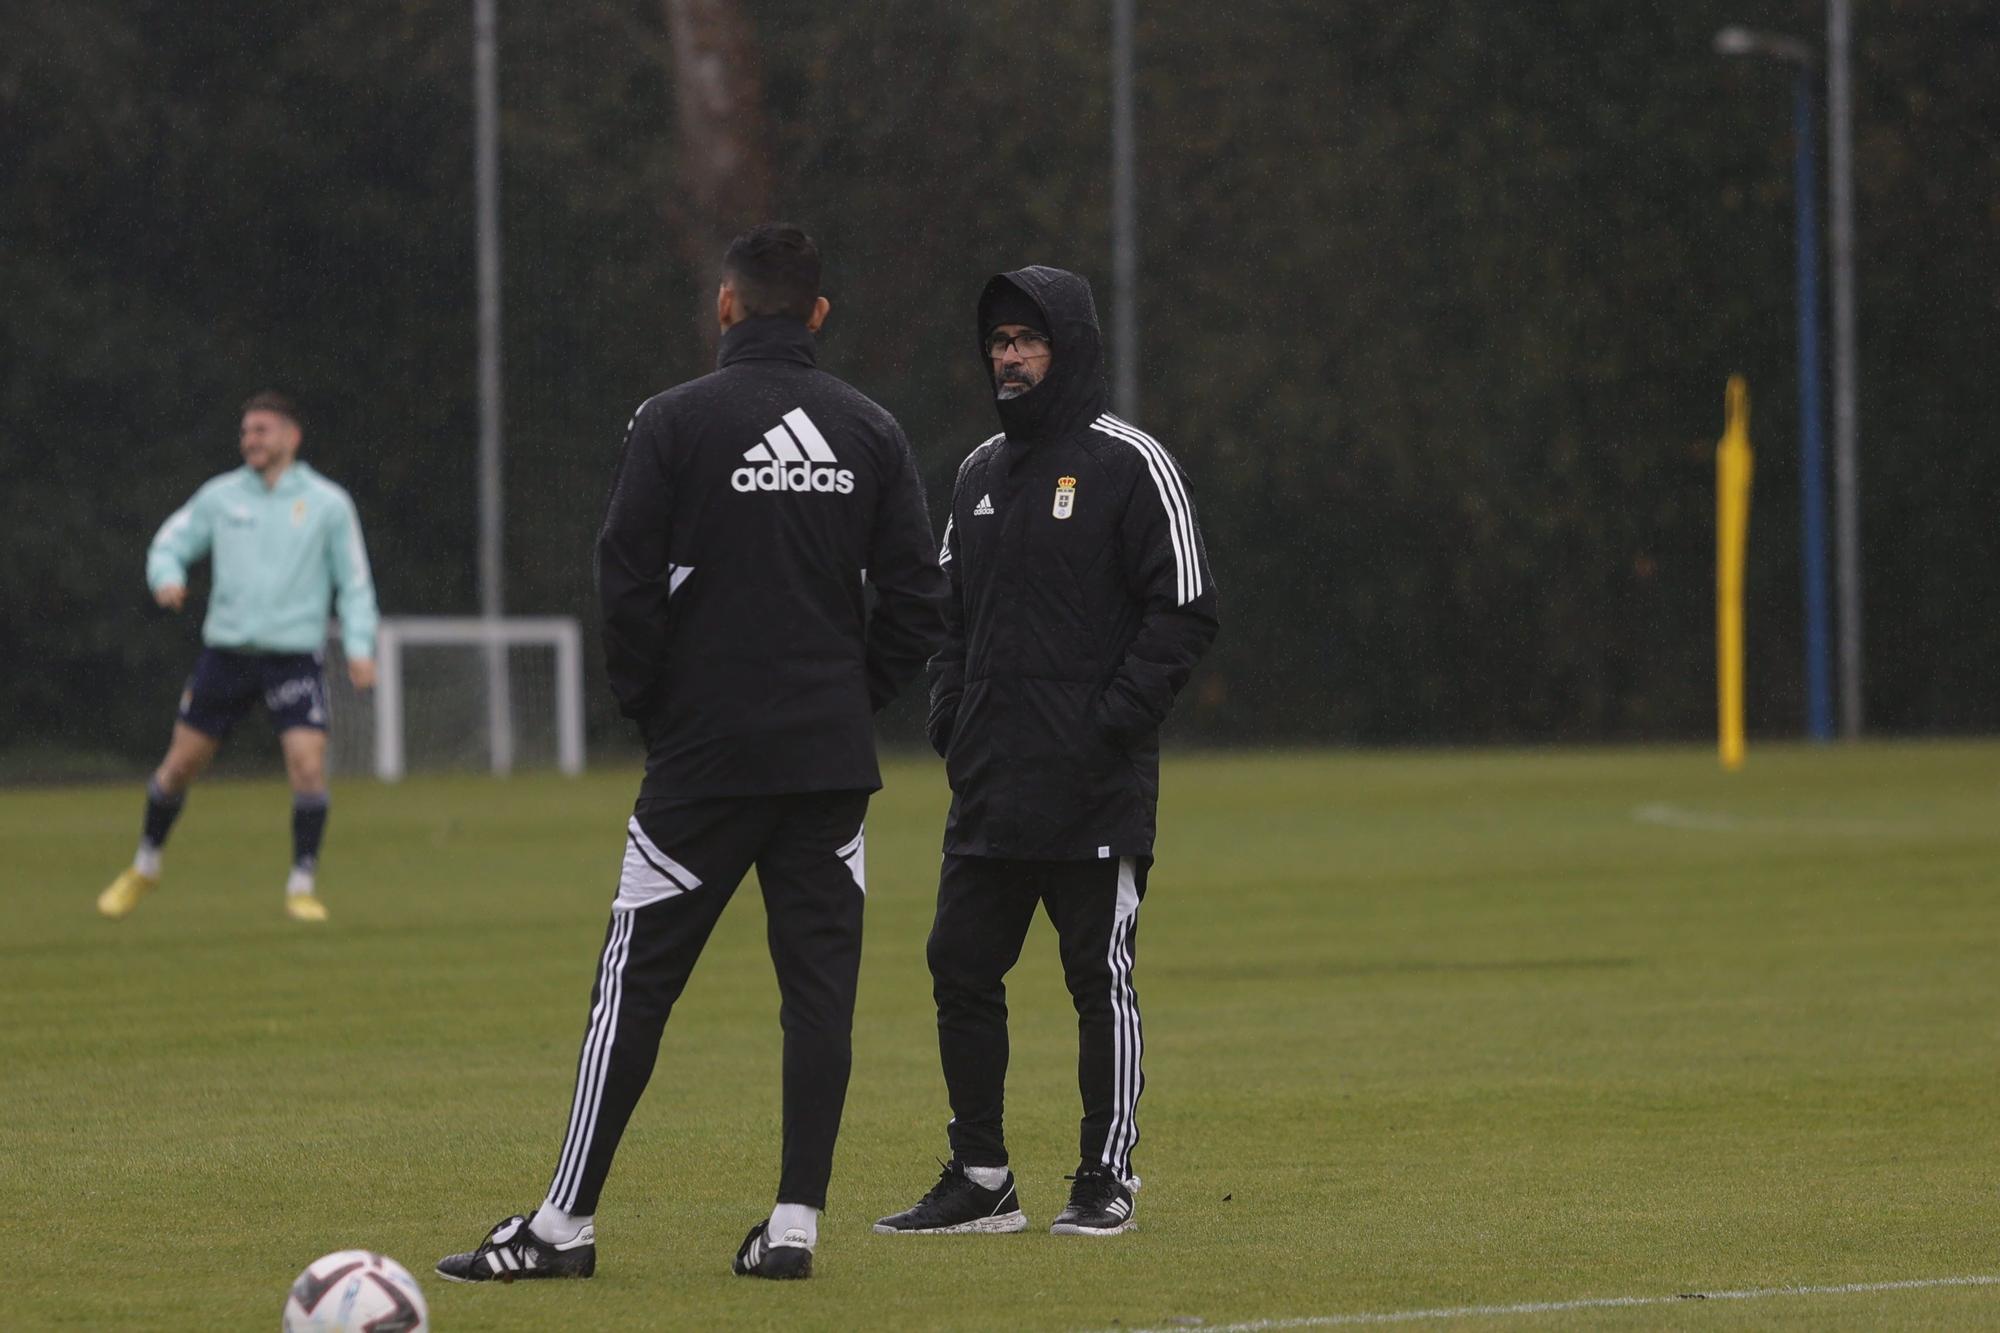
(1812, 465)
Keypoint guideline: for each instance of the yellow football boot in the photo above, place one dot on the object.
(304, 907)
(125, 893)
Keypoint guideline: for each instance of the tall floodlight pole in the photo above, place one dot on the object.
(1812, 464)
(486, 179)
(1846, 417)
(1812, 457)
(1124, 220)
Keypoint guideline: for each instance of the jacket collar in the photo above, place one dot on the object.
(768, 338)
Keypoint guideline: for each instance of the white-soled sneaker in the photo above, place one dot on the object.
(959, 1205)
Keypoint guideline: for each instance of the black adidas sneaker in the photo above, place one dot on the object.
(959, 1204)
(512, 1251)
(1100, 1204)
(760, 1256)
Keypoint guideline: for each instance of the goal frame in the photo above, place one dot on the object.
(399, 632)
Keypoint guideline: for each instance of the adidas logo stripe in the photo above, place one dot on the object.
(1173, 499)
(794, 457)
(985, 505)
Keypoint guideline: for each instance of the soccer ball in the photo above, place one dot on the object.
(355, 1291)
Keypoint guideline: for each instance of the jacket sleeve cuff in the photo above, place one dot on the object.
(938, 728)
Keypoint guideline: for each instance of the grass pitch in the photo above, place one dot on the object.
(1423, 1031)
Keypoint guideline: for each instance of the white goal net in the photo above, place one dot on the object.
(462, 693)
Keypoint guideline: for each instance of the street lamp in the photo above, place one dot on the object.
(486, 266)
(1124, 220)
(1735, 41)
(1846, 416)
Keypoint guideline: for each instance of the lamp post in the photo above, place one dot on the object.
(1124, 221)
(486, 191)
(1812, 466)
(1846, 417)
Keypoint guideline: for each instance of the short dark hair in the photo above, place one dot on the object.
(270, 400)
(774, 270)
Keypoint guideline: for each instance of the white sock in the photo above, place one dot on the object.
(788, 1218)
(301, 881)
(558, 1228)
(987, 1177)
(147, 861)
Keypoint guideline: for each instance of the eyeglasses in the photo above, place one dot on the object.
(1027, 343)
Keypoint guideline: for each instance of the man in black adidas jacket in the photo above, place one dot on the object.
(1081, 600)
(750, 509)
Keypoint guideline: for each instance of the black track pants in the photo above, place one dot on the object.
(683, 861)
(983, 913)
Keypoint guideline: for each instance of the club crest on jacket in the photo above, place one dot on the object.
(1065, 497)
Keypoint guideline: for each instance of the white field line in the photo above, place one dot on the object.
(1558, 1307)
(1708, 821)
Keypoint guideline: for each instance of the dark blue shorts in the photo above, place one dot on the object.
(227, 684)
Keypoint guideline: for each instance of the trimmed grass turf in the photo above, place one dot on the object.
(1424, 1030)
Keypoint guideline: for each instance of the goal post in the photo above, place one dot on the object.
(402, 641)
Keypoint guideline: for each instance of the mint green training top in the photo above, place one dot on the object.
(282, 553)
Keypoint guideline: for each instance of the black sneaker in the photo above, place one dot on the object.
(958, 1204)
(1100, 1204)
(760, 1256)
(512, 1251)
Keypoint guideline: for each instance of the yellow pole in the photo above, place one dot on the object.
(1732, 532)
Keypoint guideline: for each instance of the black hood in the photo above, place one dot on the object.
(1072, 394)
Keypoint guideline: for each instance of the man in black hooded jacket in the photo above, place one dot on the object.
(1080, 601)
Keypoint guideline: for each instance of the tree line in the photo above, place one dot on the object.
(1437, 305)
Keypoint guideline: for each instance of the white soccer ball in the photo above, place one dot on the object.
(356, 1291)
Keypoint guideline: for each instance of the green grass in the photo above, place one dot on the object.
(1424, 1030)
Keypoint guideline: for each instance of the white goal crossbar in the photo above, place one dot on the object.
(400, 632)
